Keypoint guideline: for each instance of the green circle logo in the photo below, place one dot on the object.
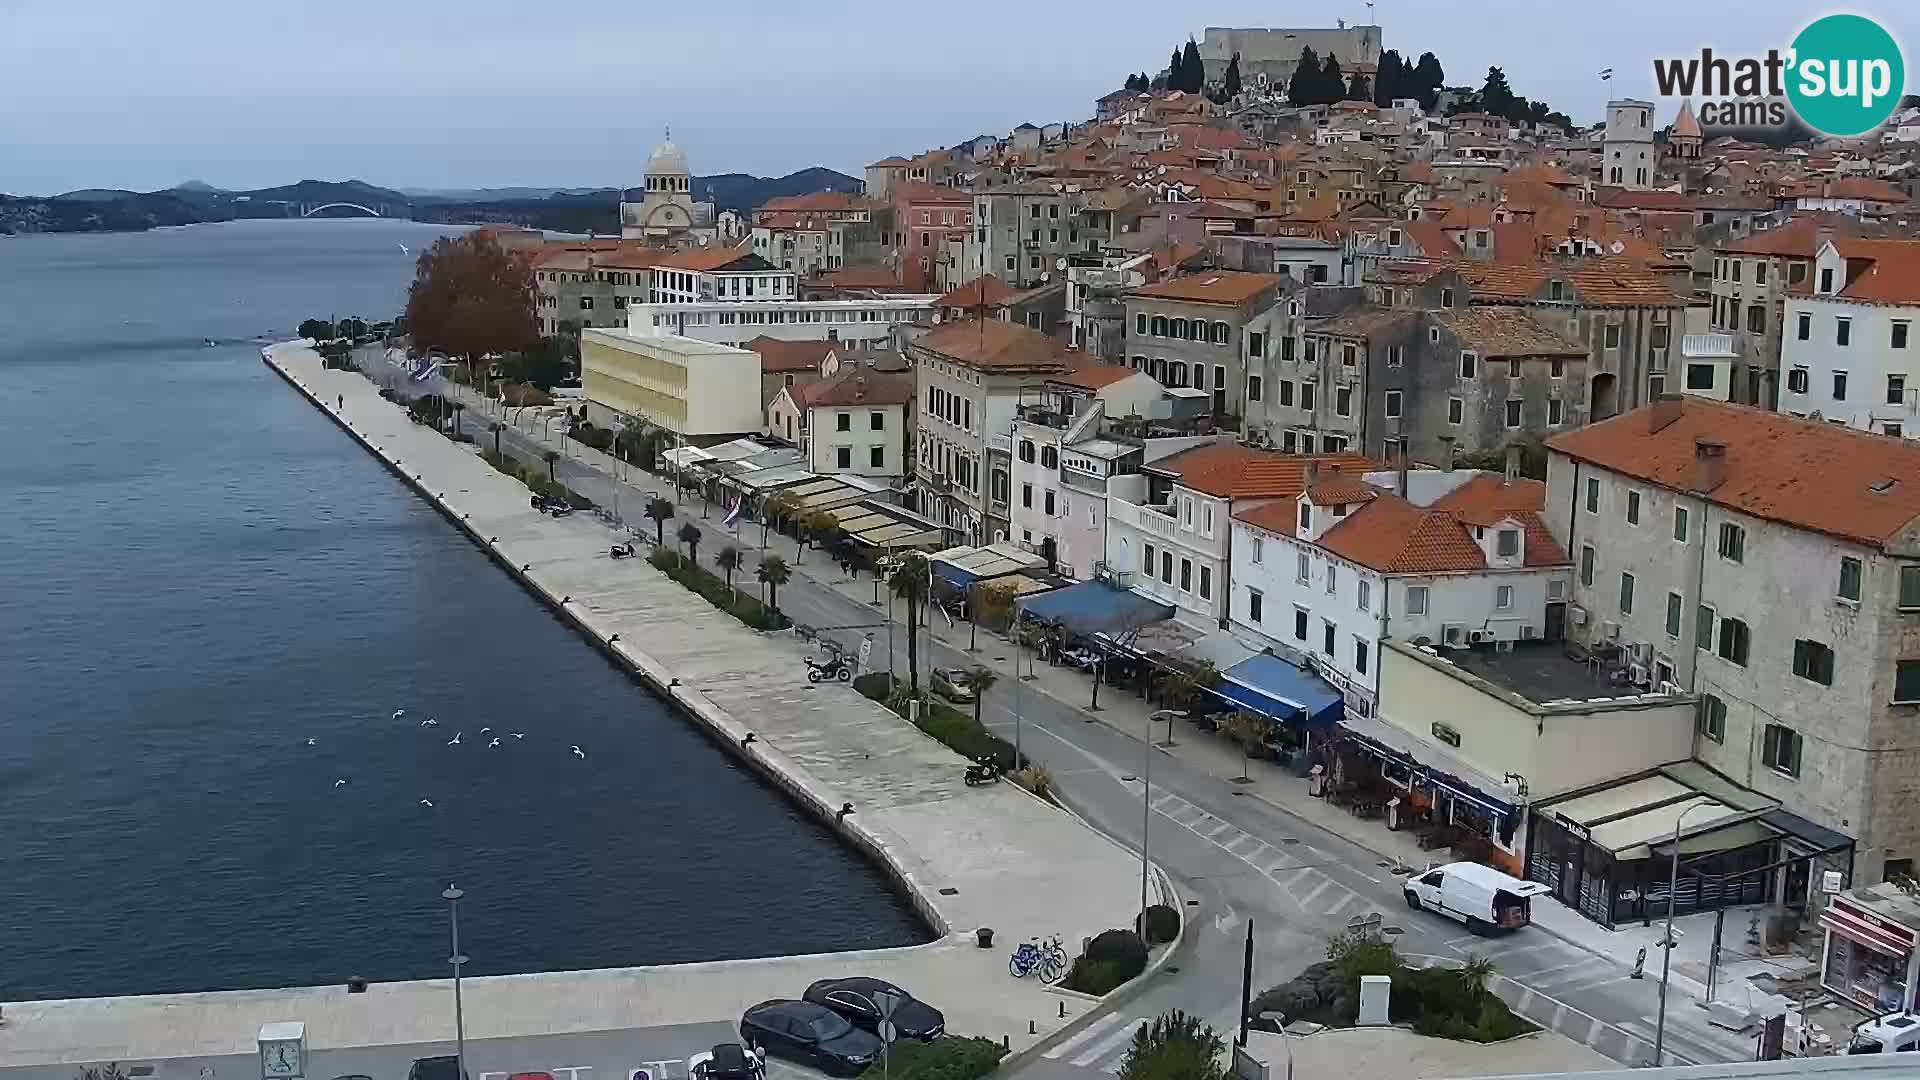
(1846, 75)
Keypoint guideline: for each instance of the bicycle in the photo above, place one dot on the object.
(1048, 960)
(1053, 961)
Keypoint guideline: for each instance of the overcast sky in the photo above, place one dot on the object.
(434, 93)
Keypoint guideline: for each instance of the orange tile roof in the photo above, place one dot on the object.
(1891, 274)
(855, 387)
(996, 344)
(1336, 488)
(781, 355)
(818, 200)
(1805, 473)
(1495, 331)
(1092, 375)
(702, 259)
(1238, 472)
(983, 291)
(1490, 494)
(1212, 287)
(1394, 536)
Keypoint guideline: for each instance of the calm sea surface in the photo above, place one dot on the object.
(199, 573)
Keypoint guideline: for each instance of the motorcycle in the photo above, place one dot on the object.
(621, 551)
(982, 771)
(836, 669)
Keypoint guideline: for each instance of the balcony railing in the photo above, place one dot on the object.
(1153, 520)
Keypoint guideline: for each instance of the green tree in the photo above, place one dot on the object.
(775, 510)
(1428, 78)
(1247, 729)
(546, 363)
(981, 678)
(690, 535)
(1474, 976)
(1176, 73)
(471, 297)
(1496, 96)
(661, 511)
(317, 329)
(909, 583)
(1231, 80)
(1193, 73)
(1174, 1047)
(729, 561)
(773, 573)
(1387, 80)
(1191, 684)
(1303, 88)
(1357, 87)
(551, 456)
(1332, 84)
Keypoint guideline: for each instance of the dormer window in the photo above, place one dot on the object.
(1306, 516)
(1339, 510)
(1507, 543)
(1556, 290)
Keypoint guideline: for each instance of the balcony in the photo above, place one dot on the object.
(1149, 520)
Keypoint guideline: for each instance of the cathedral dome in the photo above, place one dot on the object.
(667, 160)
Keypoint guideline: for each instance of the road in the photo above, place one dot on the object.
(1235, 859)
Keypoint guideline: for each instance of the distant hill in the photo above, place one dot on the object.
(485, 195)
(95, 195)
(195, 185)
(738, 191)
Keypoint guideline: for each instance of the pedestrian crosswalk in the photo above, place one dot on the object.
(1100, 1045)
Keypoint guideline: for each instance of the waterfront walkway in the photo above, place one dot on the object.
(992, 856)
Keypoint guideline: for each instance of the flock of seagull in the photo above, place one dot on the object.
(430, 722)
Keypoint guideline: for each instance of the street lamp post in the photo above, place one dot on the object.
(1666, 944)
(1146, 821)
(452, 895)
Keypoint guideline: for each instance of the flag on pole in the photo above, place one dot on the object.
(1605, 74)
(733, 514)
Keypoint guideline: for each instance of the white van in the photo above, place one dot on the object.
(1480, 896)
(1893, 1034)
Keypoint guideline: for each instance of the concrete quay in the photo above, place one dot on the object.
(992, 856)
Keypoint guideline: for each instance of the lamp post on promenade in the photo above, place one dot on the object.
(452, 896)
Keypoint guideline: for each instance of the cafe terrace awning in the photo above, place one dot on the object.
(960, 567)
(1095, 607)
(1269, 685)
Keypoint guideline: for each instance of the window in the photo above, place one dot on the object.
(1416, 599)
(1300, 616)
(1699, 376)
(1839, 386)
(1586, 565)
(1186, 575)
(1910, 588)
(1513, 412)
(1347, 356)
(1456, 410)
(843, 457)
(1255, 598)
(1813, 661)
(1826, 280)
(1166, 567)
(877, 457)
(1734, 640)
(1612, 336)
(1333, 578)
(1675, 609)
(1712, 718)
(1254, 549)
(1680, 523)
(1842, 331)
(1467, 364)
(1659, 336)
(1906, 682)
(1756, 319)
(1896, 389)
(1393, 403)
(1253, 388)
(1503, 597)
(1343, 401)
(1633, 508)
(1149, 560)
(1803, 327)
(1899, 340)
(1780, 749)
(1446, 298)
(877, 421)
(1306, 396)
(1256, 343)
(1733, 542)
(1026, 496)
(1593, 494)
(1206, 583)
(1703, 627)
(843, 422)
(1359, 656)
(1326, 637)
(1556, 412)
(1849, 579)
(1656, 386)
(1366, 593)
(1046, 502)
(1797, 380)
(1626, 593)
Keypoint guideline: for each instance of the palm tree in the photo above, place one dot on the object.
(981, 679)
(690, 535)
(458, 408)
(773, 573)
(729, 560)
(551, 456)
(661, 511)
(909, 583)
(1475, 974)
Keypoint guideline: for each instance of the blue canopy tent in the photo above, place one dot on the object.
(1092, 608)
(1270, 686)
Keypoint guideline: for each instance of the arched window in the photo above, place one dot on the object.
(1222, 333)
(1159, 326)
(1178, 328)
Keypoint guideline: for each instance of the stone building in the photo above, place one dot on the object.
(666, 213)
(1268, 56)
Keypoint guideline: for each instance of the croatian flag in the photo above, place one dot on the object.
(423, 369)
(733, 514)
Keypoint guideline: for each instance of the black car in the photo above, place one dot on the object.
(810, 1034)
(853, 998)
(726, 1061)
(436, 1068)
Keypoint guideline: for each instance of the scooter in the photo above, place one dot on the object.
(835, 669)
(621, 551)
(982, 771)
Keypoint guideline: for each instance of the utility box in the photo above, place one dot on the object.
(1376, 992)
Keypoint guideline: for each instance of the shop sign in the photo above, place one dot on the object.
(1573, 827)
(1446, 734)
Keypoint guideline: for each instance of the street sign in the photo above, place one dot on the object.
(866, 652)
(888, 1032)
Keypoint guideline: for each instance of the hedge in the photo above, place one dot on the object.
(1111, 959)
(950, 1058)
(1163, 924)
(951, 726)
(535, 477)
(699, 579)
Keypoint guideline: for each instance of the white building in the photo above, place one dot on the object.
(1848, 349)
(666, 212)
(1771, 566)
(861, 324)
(695, 389)
(1627, 157)
(719, 275)
(851, 421)
(1331, 573)
(1170, 525)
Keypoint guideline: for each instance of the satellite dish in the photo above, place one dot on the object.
(1060, 263)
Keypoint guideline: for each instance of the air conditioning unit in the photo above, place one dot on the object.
(1481, 637)
(1669, 688)
(1453, 634)
(1609, 630)
(1637, 674)
(1643, 653)
(1577, 615)
(1503, 646)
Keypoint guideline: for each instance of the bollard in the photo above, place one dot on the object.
(1063, 1010)
(1006, 1042)
(1033, 1028)
(1639, 964)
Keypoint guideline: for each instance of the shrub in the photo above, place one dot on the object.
(1037, 779)
(1174, 1047)
(1111, 958)
(950, 1058)
(698, 579)
(949, 725)
(872, 685)
(1163, 924)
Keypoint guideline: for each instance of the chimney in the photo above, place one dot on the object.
(1311, 476)
(1662, 413)
(1513, 463)
(1709, 464)
(1446, 452)
(1404, 455)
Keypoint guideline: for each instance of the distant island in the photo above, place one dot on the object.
(573, 210)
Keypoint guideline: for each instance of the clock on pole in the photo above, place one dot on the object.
(283, 1050)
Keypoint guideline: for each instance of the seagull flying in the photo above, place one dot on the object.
(403, 248)
(426, 802)
(495, 742)
(519, 734)
(579, 753)
(313, 742)
(342, 782)
(455, 741)
(398, 713)
(429, 722)
(484, 730)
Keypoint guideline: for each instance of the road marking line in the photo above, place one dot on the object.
(1246, 855)
(1299, 875)
(1214, 834)
(1088, 1032)
(1318, 889)
(1113, 1041)
(1340, 903)
(1534, 976)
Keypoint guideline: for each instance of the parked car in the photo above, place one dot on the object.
(1480, 896)
(954, 684)
(1893, 1034)
(446, 1067)
(726, 1061)
(810, 1034)
(853, 998)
